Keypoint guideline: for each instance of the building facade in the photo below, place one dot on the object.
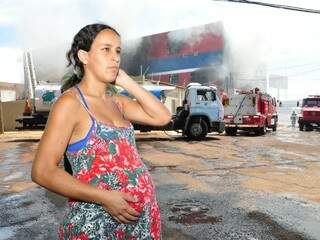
(179, 57)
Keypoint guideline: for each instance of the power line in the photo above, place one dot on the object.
(280, 6)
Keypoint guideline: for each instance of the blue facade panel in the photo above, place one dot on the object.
(184, 62)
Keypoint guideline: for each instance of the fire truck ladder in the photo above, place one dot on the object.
(240, 106)
(30, 76)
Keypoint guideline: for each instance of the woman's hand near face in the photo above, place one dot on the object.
(116, 204)
(122, 78)
(147, 109)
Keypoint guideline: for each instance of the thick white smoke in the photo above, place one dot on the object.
(255, 37)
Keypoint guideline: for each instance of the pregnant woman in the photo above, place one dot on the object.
(111, 191)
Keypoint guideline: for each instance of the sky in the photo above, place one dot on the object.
(286, 42)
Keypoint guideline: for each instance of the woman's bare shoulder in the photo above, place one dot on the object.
(68, 103)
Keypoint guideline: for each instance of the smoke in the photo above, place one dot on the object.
(262, 41)
(215, 74)
(194, 34)
(50, 63)
(257, 39)
(247, 59)
(176, 42)
(133, 56)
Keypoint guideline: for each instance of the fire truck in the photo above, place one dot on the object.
(251, 111)
(309, 116)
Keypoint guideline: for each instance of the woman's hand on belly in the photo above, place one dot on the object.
(116, 204)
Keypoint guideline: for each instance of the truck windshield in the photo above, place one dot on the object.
(206, 95)
(311, 102)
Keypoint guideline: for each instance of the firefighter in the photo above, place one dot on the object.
(224, 97)
(293, 118)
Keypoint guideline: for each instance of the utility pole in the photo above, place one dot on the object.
(1, 119)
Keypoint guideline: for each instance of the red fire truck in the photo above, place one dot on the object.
(310, 113)
(251, 111)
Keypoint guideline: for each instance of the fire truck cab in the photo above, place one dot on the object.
(251, 111)
(309, 116)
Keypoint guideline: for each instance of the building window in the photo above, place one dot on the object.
(174, 79)
(174, 47)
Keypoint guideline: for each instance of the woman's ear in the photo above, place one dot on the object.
(83, 56)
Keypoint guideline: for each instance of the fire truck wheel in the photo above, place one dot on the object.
(262, 130)
(309, 127)
(231, 131)
(197, 130)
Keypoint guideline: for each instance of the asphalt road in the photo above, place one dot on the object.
(245, 187)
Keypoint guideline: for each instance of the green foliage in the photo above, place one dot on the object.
(111, 89)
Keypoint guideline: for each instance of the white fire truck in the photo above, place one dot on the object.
(251, 111)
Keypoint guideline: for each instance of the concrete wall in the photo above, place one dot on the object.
(174, 99)
(11, 111)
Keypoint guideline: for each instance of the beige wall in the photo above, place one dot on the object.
(11, 111)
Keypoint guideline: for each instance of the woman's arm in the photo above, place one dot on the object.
(147, 109)
(45, 171)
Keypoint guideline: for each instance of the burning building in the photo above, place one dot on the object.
(179, 57)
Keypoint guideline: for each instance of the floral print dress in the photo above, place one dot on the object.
(108, 159)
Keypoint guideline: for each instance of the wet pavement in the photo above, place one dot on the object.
(245, 187)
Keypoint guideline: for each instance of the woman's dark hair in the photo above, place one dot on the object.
(82, 40)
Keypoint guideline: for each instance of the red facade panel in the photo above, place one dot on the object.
(159, 46)
(206, 38)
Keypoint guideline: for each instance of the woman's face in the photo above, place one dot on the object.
(103, 59)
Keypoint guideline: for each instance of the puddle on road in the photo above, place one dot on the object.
(15, 159)
(21, 186)
(190, 212)
(13, 176)
(293, 135)
(6, 232)
(277, 231)
(21, 152)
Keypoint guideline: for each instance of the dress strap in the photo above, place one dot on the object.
(84, 102)
(82, 97)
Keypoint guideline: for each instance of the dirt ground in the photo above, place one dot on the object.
(243, 187)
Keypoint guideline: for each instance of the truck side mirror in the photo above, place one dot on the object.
(253, 101)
